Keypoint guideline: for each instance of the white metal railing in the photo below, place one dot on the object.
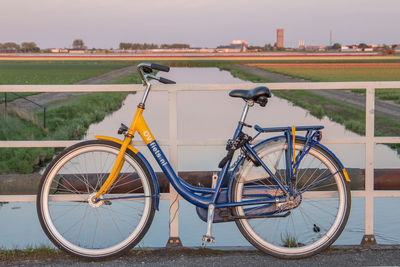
(369, 140)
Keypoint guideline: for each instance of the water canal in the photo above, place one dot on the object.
(213, 115)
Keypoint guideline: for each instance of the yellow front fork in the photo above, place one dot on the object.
(138, 124)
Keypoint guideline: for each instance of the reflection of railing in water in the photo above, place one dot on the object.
(27, 99)
(367, 191)
(27, 184)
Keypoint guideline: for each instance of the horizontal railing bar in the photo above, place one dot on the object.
(376, 193)
(384, 193)
(17, 144)
(387, 140)
(199, 87)
(72, 88)
(17, 198)
(32, 198)
(200, 142)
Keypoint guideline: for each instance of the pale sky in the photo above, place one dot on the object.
(200, 23)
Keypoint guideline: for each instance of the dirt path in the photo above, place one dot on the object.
(106, 78)
(386, 109)
(44, 99)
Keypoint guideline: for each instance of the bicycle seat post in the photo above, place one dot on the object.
(245, 111)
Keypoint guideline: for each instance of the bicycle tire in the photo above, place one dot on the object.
(311, 226)
(99, 230)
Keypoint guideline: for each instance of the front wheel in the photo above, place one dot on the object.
(305, 225)
(95, 230)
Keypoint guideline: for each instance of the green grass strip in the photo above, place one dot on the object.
(68, 121)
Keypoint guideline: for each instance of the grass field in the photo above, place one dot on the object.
(67, 121)
(54, 72)
(51, 72)
(338, 72)
(343, 72)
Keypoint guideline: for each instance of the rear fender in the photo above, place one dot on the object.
(146, 163)
(283, 139)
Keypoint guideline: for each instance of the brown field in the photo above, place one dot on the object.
(337, 72)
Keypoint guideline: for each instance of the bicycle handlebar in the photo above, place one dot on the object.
(159, 67)
(166, 81)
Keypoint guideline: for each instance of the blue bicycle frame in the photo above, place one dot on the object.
(203, 197)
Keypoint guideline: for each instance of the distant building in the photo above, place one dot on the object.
(77, 51)
(315, 48)
(301, 44)
(279, 38)
(58, 50)
(350, 48)
(235, 46)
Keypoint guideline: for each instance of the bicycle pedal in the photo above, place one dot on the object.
(208, 239)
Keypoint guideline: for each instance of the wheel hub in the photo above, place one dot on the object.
(291, 203)
(93, 203)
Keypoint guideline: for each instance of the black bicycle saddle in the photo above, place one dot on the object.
(259, 94)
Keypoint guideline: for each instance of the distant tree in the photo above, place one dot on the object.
(175, 46)
(255, 48)
(78, 44)
(336, 46)
(363, 46)
(137, 46)
(387, 50)
(29, 47)
(125, 46)
(268, 47)
(11, 46)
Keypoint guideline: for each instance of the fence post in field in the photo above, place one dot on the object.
(5, 102)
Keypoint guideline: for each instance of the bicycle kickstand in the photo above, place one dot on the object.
(210, 218)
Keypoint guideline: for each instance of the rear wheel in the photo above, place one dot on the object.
(301, 227)
(95, 230)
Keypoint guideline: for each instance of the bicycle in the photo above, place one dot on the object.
(289, 195)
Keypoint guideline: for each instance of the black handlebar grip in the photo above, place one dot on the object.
(159, 67)
(163, 80)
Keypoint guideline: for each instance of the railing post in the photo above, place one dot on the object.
(369, 237)
(174, 240)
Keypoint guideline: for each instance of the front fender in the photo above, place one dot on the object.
(146, 163)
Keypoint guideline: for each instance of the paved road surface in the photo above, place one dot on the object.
(351, 256)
